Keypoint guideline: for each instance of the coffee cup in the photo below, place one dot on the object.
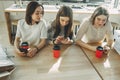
(56, 51)
(24, 47)
(99, 52)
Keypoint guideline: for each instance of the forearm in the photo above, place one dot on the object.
(85, 45)
(16, 43)
(109, 43)
(34, 49)
(41, 44)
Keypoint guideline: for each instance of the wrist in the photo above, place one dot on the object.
(36, 48)
(107, 46)
(54, 42)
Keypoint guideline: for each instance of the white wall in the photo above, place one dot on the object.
(47, 16)
(3, 5)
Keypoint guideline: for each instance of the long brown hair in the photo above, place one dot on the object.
(99, 11)
(30, 10)
(64, 11)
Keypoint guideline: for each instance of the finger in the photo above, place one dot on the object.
(60, 37)
(22, 54)
(66, 40)
(57, 39)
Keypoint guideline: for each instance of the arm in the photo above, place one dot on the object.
(81, 32)
(85, 45)
(109, 35)
(50, 33)
(50, 36)
(34, 50)
(17, 40)
(42, 44)
(109, 38)
(42, 36)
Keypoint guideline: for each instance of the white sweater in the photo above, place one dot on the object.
(89, 34)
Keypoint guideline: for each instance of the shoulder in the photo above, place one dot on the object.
(108, 24)
(51, 25)
(87, 19)
(21, 21)
(42, 21)
(86, 22)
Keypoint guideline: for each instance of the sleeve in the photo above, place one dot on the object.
(71, 35)
(50, 33)
(44, 31)
(49, 26)
(82, 30)
(109, 34)
(18, 33)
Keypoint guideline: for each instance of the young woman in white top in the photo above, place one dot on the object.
(32, 29)
(95, 29)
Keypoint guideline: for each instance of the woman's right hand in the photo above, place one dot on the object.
(59, 39)
(106, 49)
(20, 53)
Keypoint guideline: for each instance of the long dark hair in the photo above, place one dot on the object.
(30, 10)
(64, 11)
(97, 12)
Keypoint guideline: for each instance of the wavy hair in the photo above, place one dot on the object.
(99, 11)
(64, 11)
(30, 10)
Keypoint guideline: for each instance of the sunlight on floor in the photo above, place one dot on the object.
(55, 67)
(107, 64)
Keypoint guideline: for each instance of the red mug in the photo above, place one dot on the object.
(56, 51)
(99, 52)
(24, 47)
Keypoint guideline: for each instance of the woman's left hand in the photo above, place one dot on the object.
(31, 52)
(106, 49)
(66, 41)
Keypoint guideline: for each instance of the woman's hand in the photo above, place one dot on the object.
(58, 39)
(20, 53)
(31, 52)
(61, 39)
(66, 41)
(106, 49)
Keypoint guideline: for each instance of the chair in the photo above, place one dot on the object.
(13, 29)
(115, 26)
(75, 26)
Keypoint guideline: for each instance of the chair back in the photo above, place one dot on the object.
(115, 26)
(75, 26)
